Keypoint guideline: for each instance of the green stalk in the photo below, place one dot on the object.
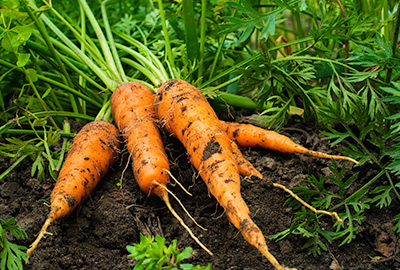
(104, 113)
(394, 42)
(87, 77)
(148, 73)
(149, 54)
(41, 101)
(21, 119)
(110, 84)
(144, 61)
(231, 69)
(101, 38)
(192, 44)
(16, 163)
(114, 52)
(12, 131)
(67, 130)
(217, 55)
(109, 59)
(171, 60)
(300, 32)
(47, 149)
(384, 14)
(357, 193)
(235, 100)
(66, 78)
(55, 83)
(45, 51)
(228, 82)
(202, 37)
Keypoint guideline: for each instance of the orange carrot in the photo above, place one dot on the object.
(184, 112)
(251, 136)
(132, 109)
(91, 155)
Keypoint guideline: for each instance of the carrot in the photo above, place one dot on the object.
(247, 135)
(132, 109)
(91, 155)
(184, 112)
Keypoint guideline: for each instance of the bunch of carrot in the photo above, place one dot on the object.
(181, 109)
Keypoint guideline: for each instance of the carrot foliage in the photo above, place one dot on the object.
(11, 255)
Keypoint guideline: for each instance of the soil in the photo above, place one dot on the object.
(95, 236)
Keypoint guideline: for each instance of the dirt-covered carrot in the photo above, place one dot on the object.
(184, 112)
(247, 135)
(91, 155)
(132, 109)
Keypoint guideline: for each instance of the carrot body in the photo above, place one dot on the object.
(91, 155)
(185, 113)
(251, 136)
(132, 109)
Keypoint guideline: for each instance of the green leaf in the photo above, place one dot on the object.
(23, 59)
(246, 33)
(269, 28)
(190, 23)
(32, 74)
(334, 134)
(383, 198)
(11, 254)
(303, 5)
(185, 254)
(384, 46)
(6, 42)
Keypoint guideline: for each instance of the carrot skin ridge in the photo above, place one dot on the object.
(247, 135)
(91, 155)
(184, 112)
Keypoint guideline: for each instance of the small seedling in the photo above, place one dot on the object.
(152, 253)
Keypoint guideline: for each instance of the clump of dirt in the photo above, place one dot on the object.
(95, 236)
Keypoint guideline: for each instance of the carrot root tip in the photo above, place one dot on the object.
(332, 214)
(168, 204)
(43, 232)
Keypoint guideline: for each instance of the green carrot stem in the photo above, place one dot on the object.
(13, 131)
(109, 59)
(143, 60)
(149, 55)
(202, 37)
(148, 73)
(45, 51)
(120, 69)
(53, 82)
(22, 119)
(171, 60)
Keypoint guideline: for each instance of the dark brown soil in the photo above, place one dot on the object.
(95, 236)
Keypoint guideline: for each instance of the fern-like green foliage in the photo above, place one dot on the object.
(152, 253)
(11, 255)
